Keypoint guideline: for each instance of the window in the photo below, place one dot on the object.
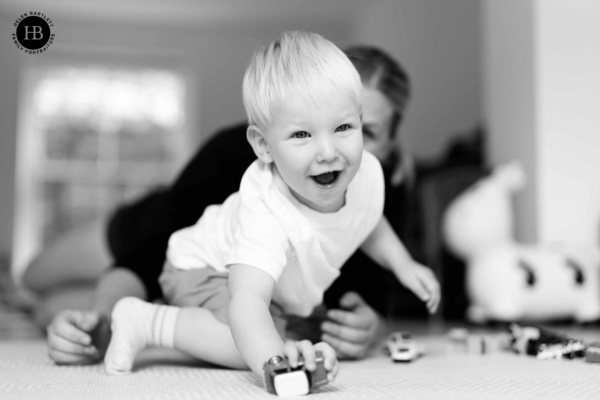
(93, 136)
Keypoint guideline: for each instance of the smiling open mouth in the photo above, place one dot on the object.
(326, 179)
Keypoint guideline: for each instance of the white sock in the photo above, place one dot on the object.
(136, 325)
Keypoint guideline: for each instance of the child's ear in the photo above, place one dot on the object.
(259, 144)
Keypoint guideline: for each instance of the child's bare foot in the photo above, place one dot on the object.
(136, 325)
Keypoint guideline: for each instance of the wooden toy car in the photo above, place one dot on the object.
(283, 380)
(401, 347)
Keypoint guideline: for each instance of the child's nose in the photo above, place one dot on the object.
(327, 150)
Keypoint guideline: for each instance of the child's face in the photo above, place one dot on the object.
(317, 148)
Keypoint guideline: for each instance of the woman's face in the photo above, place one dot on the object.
(377, 120)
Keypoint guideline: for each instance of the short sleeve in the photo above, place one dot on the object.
(367, 193)
(259, 238)
(375, 181)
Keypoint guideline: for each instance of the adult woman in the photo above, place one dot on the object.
(138, 233)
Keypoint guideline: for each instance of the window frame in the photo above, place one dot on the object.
(28, 237)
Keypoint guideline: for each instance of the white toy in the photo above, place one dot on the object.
(401, 347)
(507, 281)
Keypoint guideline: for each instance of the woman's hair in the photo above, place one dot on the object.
(380, 71)
(296, 64)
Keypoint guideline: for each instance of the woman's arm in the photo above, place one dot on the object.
(82, 336)
(77, 256)
(113, 286)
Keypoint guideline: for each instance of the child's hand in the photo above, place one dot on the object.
(293, 349)
(422, 282)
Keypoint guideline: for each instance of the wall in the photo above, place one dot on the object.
(542, 85)
(509, 76)
(9, 93)
(438, 41)
(569, 120)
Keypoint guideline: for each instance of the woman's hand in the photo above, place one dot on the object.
(292, 350)
(78, 337)
(422, 282)
(353, 329)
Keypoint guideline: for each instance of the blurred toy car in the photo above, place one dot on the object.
(592, 353)
(461, 340)
(283, 380)
(401, 347)
(544, 344)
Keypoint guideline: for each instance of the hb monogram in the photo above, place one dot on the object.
(35, 31)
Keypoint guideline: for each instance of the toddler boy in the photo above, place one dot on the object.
(272, 248)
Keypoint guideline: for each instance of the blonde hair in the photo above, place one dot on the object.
(296, 64)
(378, 70)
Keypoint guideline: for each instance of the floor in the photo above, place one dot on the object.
(443, 372)
(27, 373)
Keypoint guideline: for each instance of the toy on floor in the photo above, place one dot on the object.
(544, 344)
(283, 380)
(401, 347)
(461, 340)
(508, 281)
(592, 353)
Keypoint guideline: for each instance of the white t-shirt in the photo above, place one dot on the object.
(265, 226)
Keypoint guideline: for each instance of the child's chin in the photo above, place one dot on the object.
(330, 205)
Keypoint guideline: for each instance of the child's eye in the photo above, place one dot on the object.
(300, 135)
(343, 128)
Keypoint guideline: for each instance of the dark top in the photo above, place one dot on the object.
(138, 233)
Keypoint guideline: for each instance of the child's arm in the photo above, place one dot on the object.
(253, 329)
(384, 246)
(251, 325)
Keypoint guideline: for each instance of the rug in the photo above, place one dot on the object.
(26, 372)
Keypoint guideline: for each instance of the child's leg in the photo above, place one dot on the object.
(200, 334)
(194, 331)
